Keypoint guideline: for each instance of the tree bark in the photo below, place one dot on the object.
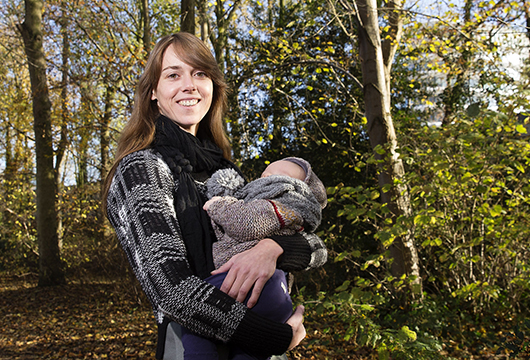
(146, 25)
(456, 90)
(223, 18)
(376, 82)
(50, 269)
(63, 141)
(220, 44)
(187, 16)
(203, 20)
(526, 6)
(104, 132)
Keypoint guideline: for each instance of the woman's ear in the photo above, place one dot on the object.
(153, 95)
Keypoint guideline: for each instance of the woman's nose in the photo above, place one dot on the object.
(189, 83)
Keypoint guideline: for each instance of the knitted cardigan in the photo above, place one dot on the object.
(140, 208)
(246, 213)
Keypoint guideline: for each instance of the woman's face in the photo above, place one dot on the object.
(184, 93)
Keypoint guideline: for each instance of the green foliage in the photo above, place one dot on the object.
(356, 311)
(18, 240)
(87, 247)
(288, 97)
(470, 195)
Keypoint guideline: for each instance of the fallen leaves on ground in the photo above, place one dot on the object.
(100, 320)
(92, 320)
(76, 321)
(110, 320)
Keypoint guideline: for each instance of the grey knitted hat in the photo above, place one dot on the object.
(312, 180)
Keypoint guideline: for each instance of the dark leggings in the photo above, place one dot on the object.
(274, 303)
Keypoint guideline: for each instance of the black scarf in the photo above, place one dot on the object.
(189, 157)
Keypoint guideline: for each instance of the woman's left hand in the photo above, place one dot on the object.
(251, 268)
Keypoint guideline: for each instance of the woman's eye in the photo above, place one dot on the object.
(201, 74)
(172, 76)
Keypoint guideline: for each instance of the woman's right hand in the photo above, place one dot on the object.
(297, 324)
(250, 270)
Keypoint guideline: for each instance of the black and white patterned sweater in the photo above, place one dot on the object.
(140, 208)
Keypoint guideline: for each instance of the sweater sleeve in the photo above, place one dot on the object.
(140, 208)
(247, 221)
(301, 251)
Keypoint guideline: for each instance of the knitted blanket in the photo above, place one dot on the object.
(273, 205)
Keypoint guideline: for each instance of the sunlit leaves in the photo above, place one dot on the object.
(521, 129)
(468, 195)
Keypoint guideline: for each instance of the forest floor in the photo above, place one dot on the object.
(99, 320)
(92, 320)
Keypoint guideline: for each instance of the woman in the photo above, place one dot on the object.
(154, 196)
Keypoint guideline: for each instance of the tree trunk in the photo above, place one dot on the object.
(63, 141)
(222, 55)
(456, 89)
(146, 25)
(221, 41)
(203, 20)
(81, 176)
(526, 6)
(104, 134)
(376, 77)
(187, 16)
(277, 143)
(9, 160)
(50, 269)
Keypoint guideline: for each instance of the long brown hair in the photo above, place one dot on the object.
(139, 132)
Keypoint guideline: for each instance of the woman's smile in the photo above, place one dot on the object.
(188, 102)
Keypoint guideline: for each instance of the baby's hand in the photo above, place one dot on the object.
(210, 202)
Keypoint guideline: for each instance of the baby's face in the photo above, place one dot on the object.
(285, 168)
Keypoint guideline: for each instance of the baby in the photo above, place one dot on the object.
(288, 198)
